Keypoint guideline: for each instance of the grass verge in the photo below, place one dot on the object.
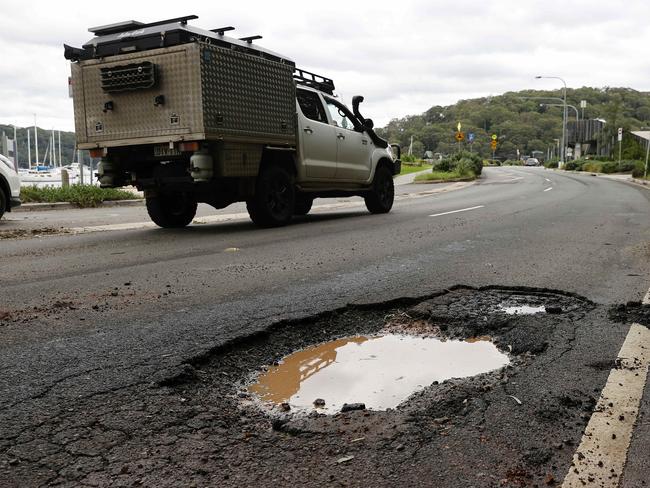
(407, 169)
(80, 195)
(442, 176)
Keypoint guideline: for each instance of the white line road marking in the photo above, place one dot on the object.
(456, 211)
(549, 189)
(601, 456)
(547, 180)
(646, 299)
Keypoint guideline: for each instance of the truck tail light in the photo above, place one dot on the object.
(189, 146)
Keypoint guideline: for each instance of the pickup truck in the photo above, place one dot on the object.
(192, 116)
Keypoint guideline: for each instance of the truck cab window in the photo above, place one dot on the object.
(341, 116)
(311, 106)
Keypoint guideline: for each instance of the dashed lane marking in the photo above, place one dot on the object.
(456, 211)
(601, 456)
(547, 180)
(549, 189)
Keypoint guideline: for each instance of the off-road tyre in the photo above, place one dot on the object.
(274, 201)
(172, 211)
(380, 197)
(4, 203)
(303, 205)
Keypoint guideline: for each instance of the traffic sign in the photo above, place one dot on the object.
(460, 136)
(494, 137)
(470, 137)
(620, 134)
(493, 144)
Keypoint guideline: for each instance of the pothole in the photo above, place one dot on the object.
(373, 372)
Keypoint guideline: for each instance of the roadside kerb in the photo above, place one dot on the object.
(612, 177)
(40, 207)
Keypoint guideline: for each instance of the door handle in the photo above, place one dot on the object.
(308, 130)
(340, 136)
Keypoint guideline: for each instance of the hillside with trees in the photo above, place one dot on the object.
(44, 136)
(520, 123)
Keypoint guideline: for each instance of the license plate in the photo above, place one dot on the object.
(165, 151)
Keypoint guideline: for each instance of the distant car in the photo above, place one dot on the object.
(9, 186)
(532, 162)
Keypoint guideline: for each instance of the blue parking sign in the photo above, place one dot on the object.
(470, 137)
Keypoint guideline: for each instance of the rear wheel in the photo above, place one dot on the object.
(172, 211)
(3, 202)
(274, 201)
(381, 196)
(303, 205)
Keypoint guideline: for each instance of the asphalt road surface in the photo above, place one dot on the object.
(125, 348)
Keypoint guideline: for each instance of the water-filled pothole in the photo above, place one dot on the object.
(522, 309)
(378, 371)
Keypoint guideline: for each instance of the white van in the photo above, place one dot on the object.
(9, 186)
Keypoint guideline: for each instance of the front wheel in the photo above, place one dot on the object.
(303, 205)
(3, 202)
(172, 211)
(274, 201)
(380, 198)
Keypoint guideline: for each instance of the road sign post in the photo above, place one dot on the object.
(620, 143)
(647, 153)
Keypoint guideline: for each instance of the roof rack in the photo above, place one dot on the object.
(134, 24)
(313, 80)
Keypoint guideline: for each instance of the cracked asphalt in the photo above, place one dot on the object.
(124, 352)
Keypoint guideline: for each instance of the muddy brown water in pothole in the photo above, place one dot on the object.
(378, 371)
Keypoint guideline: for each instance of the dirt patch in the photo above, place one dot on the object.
(30, 233)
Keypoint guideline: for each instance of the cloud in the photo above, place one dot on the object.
(404, 57)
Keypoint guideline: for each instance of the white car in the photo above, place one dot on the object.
(9, 186)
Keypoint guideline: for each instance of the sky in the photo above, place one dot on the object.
(403, 56)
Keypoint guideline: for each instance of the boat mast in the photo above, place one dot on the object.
(60, 160)
(53, 149)
(29, 149)
(36, 139)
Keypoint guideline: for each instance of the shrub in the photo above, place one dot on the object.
(639, 169)
(80, 195)
(442, 165)
(627, 166)
(551, 163)
(609, 167)
(573, 166)
(465, 167)
(408, 159)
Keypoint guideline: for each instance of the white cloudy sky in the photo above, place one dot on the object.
(404, 56)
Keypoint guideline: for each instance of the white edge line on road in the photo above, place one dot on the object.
(547, 180)
(549, 189)
(602, 453)
(456, 211)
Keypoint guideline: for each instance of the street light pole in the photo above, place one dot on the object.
(564, 116)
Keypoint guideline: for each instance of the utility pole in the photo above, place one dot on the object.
(564, 117)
